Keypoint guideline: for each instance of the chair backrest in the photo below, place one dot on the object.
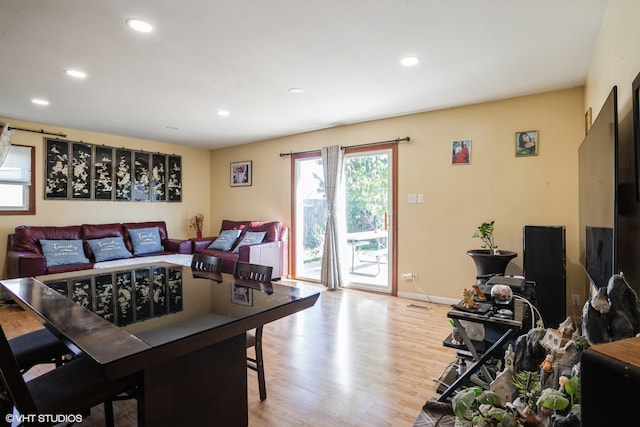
(248, 271)
(12, 378)
(208, 263)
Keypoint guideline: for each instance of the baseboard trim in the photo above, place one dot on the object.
(428, 298)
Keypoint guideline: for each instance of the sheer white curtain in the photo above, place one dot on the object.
(330, 274)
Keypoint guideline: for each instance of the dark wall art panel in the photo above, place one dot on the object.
(174, 181)
(103, 174)
(82, 171)
(141, 177)
(56, 173)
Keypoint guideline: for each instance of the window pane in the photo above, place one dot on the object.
(311, 217)
(13, 196)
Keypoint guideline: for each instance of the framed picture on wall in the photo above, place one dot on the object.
(158, 178)
(56, 185)
(103, 174)
(527, 143)
(174, 179)
(241, 173)
(123, 174)
(461, 152)
(141, 180)
(81, 161)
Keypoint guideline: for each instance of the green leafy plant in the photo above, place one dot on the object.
(485, 233)
(483, 407)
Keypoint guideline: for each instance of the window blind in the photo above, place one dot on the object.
(17, 166)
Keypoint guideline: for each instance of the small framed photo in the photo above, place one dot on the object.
(242, 295)
(461, 152)
(527, 143)
(241, 174)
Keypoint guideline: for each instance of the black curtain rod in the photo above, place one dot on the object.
(38, 131)
(406, 138)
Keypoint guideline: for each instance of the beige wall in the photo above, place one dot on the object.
(196, 185)
(433, 237)
(616, 59)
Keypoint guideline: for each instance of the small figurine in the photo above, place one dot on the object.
(547, 363)
(562, 381)
(478, 294)
(467, 299)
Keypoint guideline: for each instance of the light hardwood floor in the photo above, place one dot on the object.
(354, 359)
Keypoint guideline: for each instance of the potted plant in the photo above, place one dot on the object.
(485, 232)
(489, 261)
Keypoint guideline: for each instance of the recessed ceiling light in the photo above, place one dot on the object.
(76, 73)
(296, 90)
(139, 25)
(222, 113)
(410, 61)
(40, 101)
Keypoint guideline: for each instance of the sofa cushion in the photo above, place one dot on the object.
(27, 238)
(145, 240)
(250, 237)
(233, 225)
(109, 248)
(99, 231)
(130, 227)
(63, 252)
(271, 229)
(225, 241)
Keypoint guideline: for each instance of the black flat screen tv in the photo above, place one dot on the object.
(598, 159)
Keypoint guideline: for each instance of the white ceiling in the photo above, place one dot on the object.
(244, 55)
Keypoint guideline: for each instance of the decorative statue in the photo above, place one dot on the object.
(547, 363)
(613, 314)
(595, 322)
(467, 299)
(625, 319)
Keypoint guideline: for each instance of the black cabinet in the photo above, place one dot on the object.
(544, 262)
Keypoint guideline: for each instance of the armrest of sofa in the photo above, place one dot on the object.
(25, 264)
(178, 246)
(274, 254)
(201, 243)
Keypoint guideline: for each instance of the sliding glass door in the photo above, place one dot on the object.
(367, 215)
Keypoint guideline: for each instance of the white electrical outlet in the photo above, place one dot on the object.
(410, 276)
(575, 300)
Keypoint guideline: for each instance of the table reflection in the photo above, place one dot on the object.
(127, 296)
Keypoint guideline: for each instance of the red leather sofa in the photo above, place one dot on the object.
(24, 252)
(272, 251)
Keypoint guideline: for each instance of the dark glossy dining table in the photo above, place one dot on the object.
(184, 331)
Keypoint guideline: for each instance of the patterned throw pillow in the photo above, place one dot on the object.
(63, 252)
(109, 248)
(225, 240)
(250, 237)
(145, 240)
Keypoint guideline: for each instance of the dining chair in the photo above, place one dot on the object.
(38, 347)
(71, 388)
(257, 273)
(206, 263)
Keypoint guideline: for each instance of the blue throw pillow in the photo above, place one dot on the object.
(250, 237)
(109, 248)
(225, 240)
(145, 240)
(63, 252)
